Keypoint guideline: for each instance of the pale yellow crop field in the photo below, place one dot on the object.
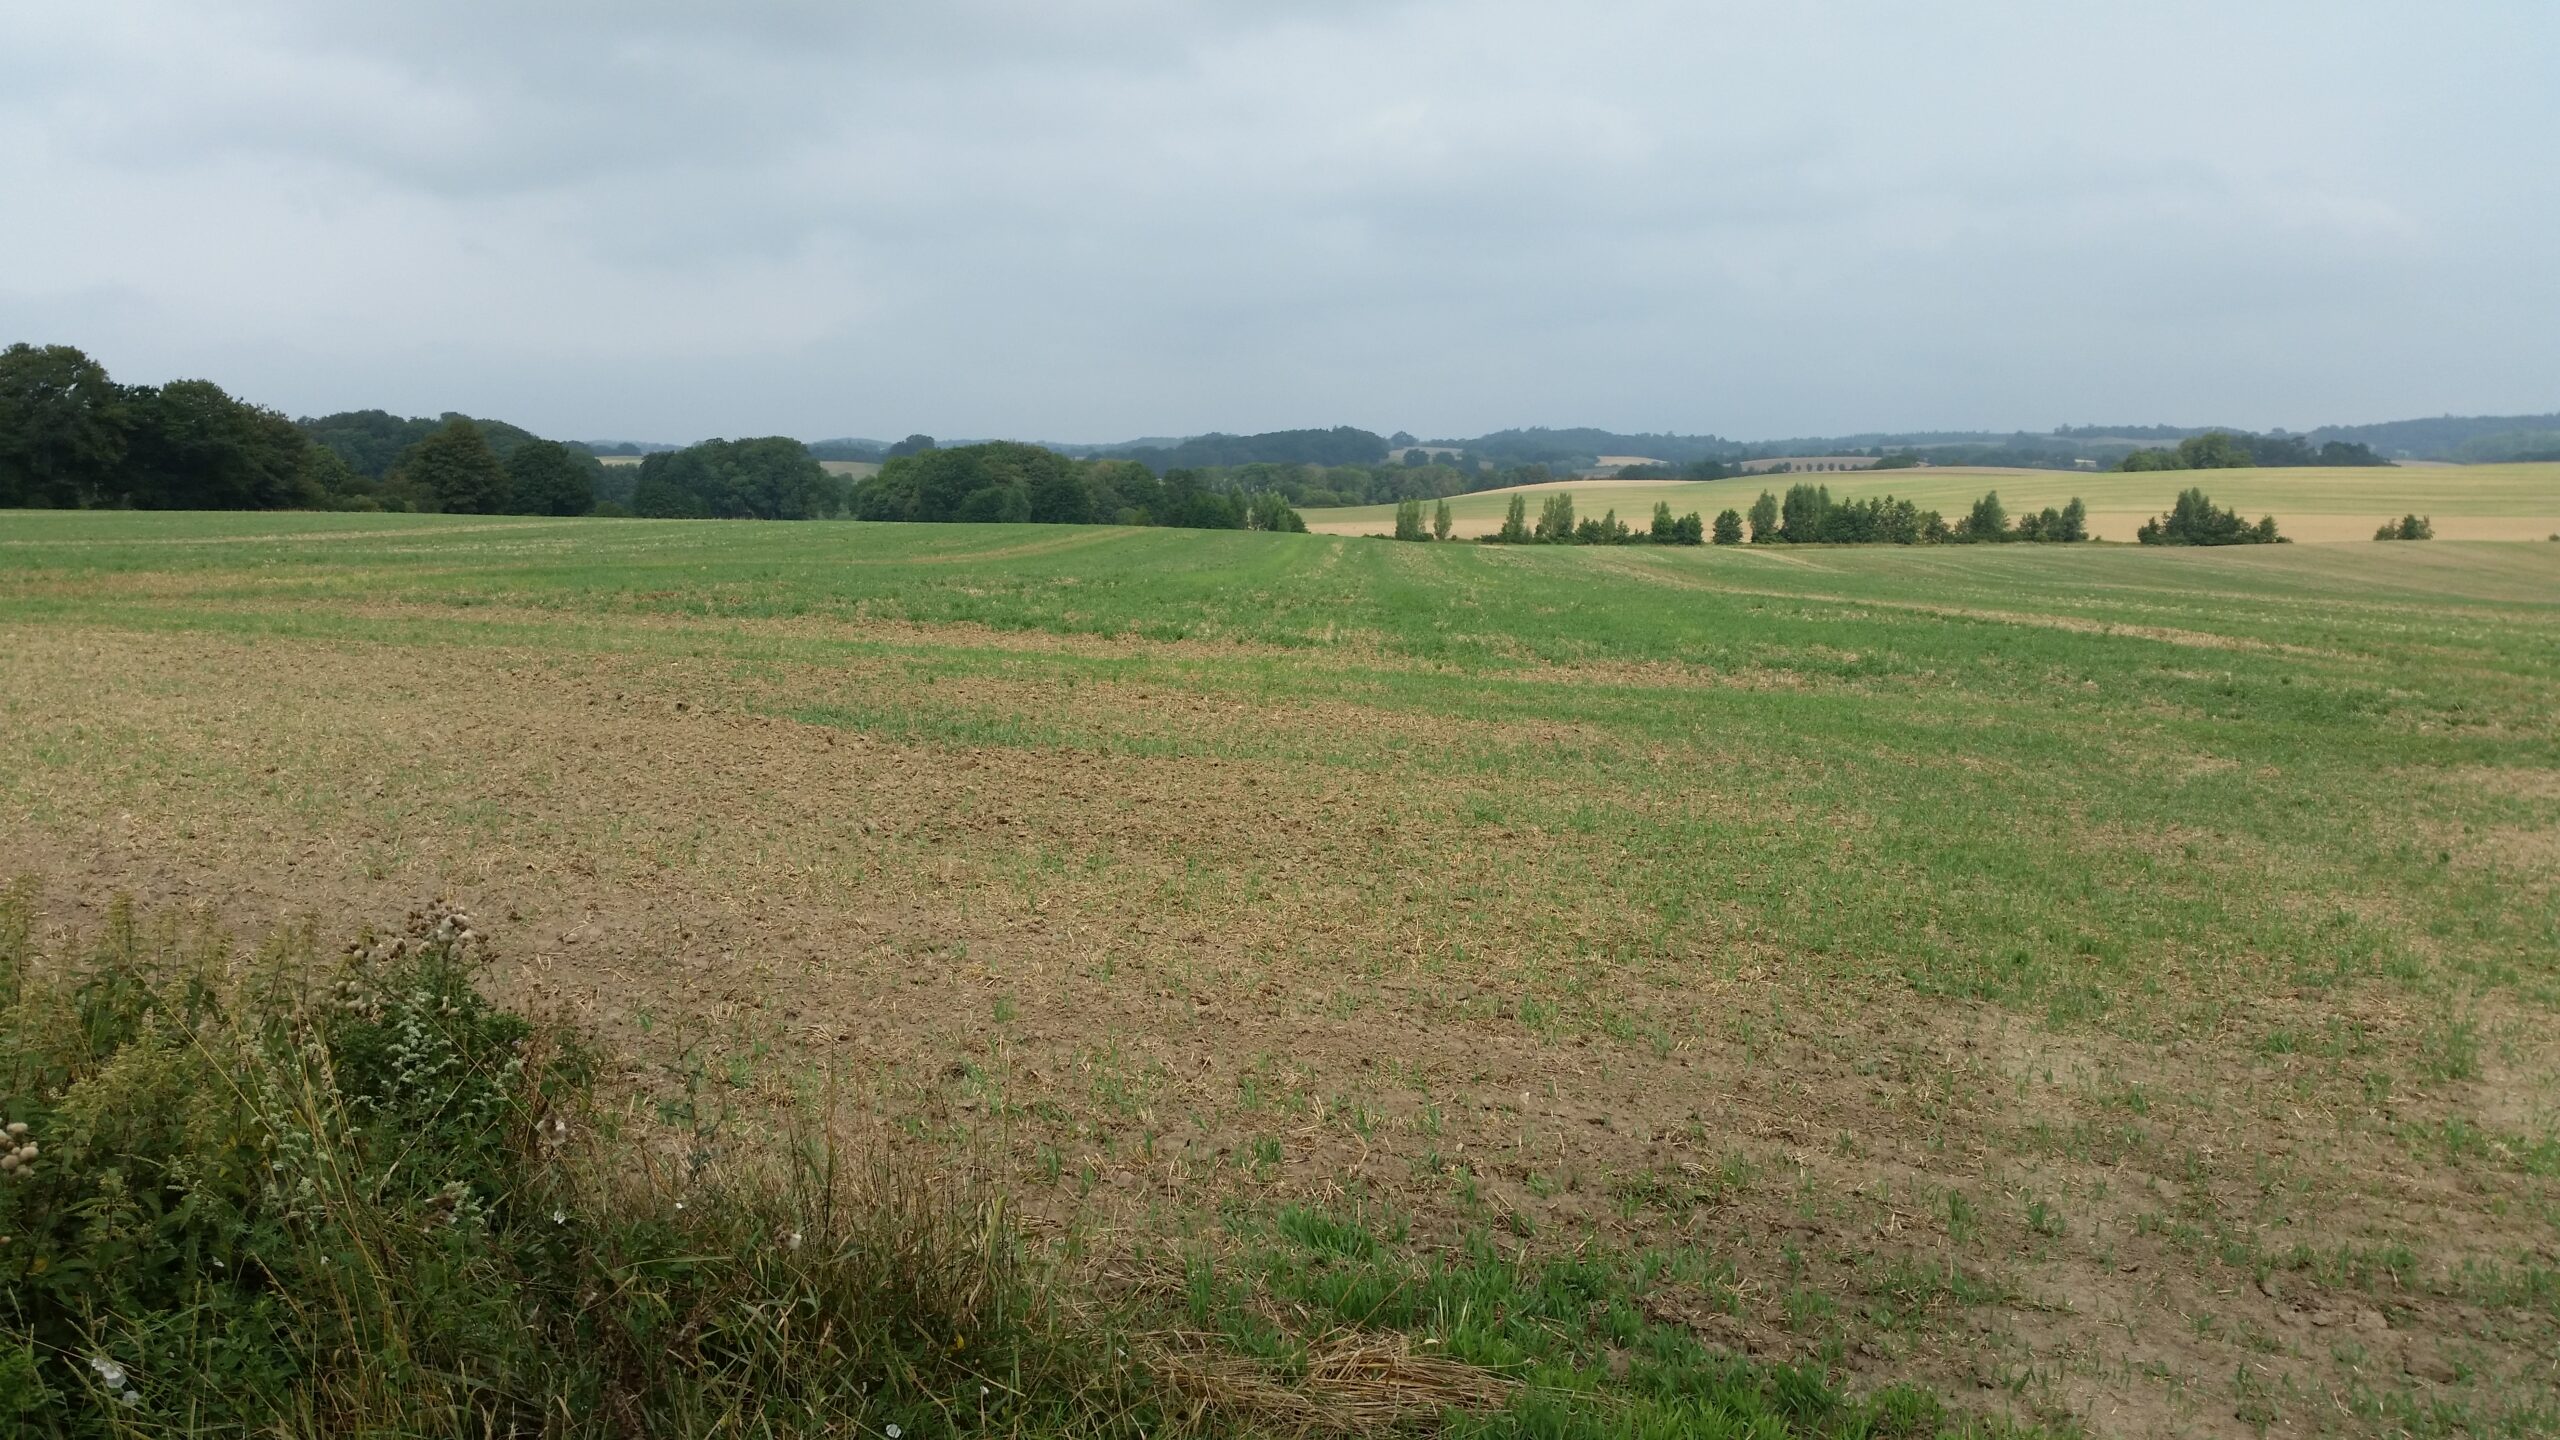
(2467, 502)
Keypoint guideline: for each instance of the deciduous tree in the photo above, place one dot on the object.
(457, 472)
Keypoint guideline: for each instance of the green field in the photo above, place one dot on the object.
(2469, 502)
(2102, 987)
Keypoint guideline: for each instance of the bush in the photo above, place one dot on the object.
(310, 1200)
(2407, 527)
(2196, 520)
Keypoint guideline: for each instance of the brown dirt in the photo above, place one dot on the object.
(1118, 974)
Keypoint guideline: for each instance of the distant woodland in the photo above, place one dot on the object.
(71, 436)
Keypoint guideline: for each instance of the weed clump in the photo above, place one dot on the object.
(303, 1199)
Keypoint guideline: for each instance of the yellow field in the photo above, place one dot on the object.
(2468, 502)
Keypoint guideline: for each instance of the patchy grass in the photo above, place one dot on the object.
(2103, 983)
(285, 1197)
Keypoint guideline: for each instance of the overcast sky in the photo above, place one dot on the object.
(1091, 221)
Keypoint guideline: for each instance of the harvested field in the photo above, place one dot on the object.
(2103, 987)
(2468, 502)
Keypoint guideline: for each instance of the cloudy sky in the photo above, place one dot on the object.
(1090, 221)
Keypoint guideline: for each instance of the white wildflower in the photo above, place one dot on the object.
(892, 1431)
(108, 1371)
(559, 1217)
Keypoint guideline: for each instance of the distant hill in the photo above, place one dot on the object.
(1579, 446)
(2463, 438)
(2454, 437)
(1341, 445)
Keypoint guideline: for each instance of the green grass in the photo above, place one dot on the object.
(2009, 788)
(2133, 913)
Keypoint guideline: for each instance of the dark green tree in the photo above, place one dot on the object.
(457, 472)
(1006, 504)
(770, 477)
(1729, 527)
(327, 477)
(1989, 519)
(194, 447)
(660, 493)
(1764, 519)
(1061, 495)
(1555, 519)
(1442, 522)
(2196, 520)
(1803, 513)
(545, 477)
(2214, 450)
(1515, 522)
(63, 427)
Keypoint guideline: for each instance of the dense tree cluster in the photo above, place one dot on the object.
(769, 478)
(2196, 520)
(373, 443)
(2407, 527)
(2222, 450)
(70, 436)
(1004, 480)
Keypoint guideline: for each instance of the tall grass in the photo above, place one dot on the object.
(286, 1198)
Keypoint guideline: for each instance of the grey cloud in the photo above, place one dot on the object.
(1082, 221)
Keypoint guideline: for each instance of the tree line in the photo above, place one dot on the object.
(1006, 481)
(1557, 525)
(71, 437)
(2223, 450)
(1809, 516)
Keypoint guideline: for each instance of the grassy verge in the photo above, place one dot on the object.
(271, 1195)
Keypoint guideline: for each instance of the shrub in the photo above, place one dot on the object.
(2196, 520)
(302, 1199)
(2407, 527)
